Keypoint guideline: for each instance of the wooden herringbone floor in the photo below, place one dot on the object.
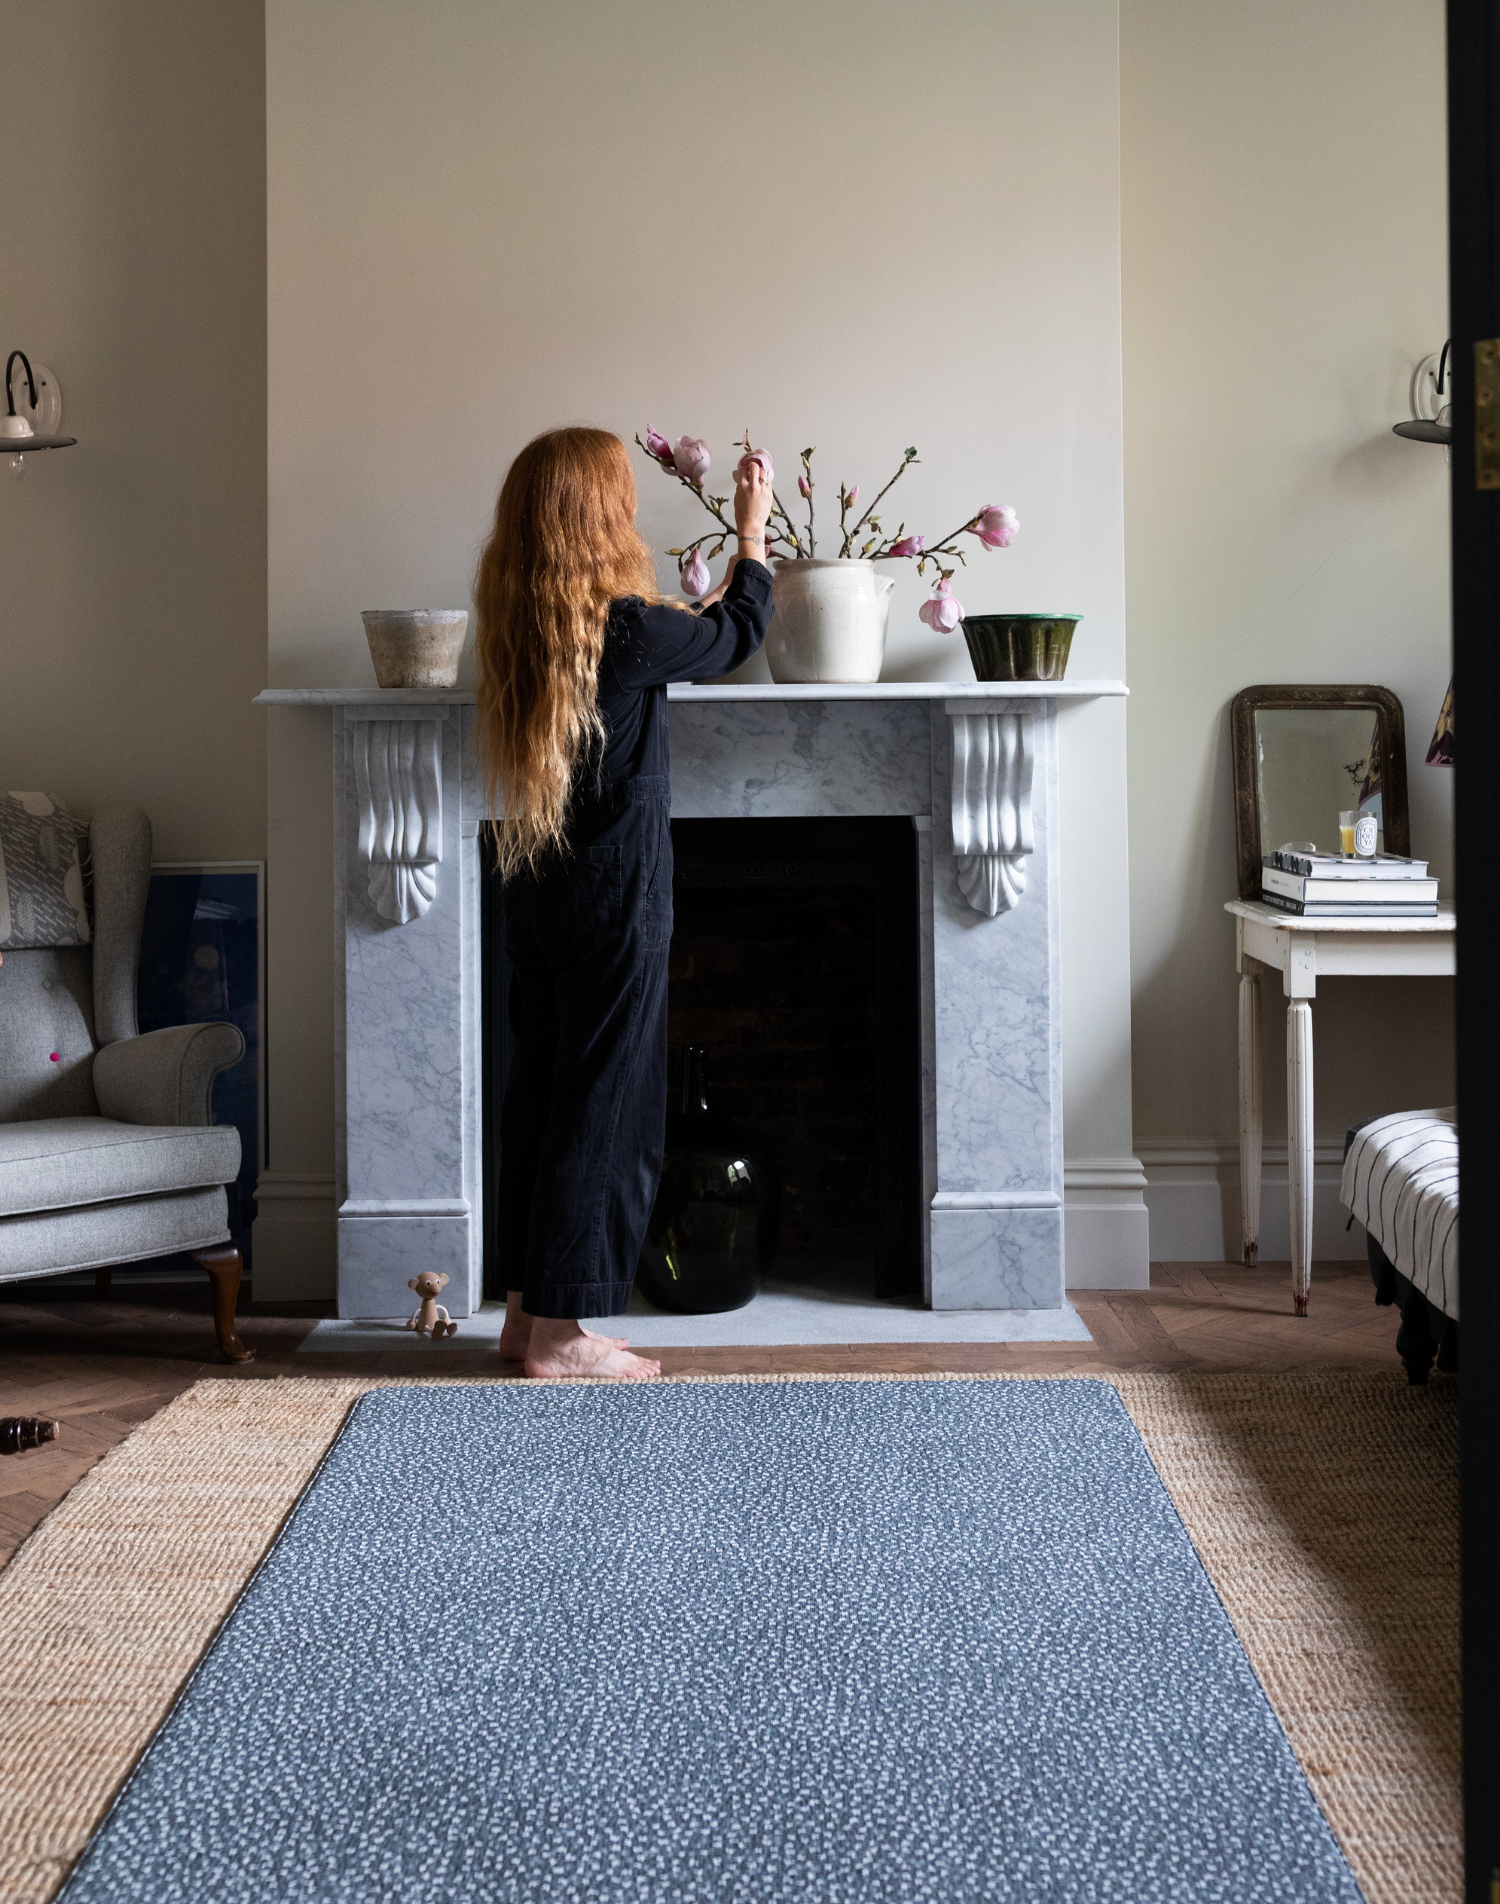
(100, 1368)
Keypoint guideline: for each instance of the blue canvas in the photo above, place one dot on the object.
(777, 1643)
(200, 964)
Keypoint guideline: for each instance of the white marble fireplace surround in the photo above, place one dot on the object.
(975, 767)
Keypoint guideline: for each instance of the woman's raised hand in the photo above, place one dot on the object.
(752, 511)
(752, 501)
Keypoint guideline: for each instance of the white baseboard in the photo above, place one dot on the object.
(1107, 1238)
(296, 1238)
(1106, 1225)
(1193, 1194)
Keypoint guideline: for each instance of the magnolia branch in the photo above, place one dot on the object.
(713, 504)
(906, 462)
(995, 524)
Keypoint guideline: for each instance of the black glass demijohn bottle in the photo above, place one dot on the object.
(710, 1236)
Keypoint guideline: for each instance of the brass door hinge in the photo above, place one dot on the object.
(1487, 413)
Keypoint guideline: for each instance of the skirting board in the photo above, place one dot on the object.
(1107, 1241)
(1105, 1230)
(296, 1238)
(1193, 1194)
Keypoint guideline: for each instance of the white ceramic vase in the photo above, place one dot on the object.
(416, 647)
(830, 621)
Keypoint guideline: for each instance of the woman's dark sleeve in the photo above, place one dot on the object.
(655, 645)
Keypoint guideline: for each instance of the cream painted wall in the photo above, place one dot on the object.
(1284, 205)
(132, 224)
(845, 226)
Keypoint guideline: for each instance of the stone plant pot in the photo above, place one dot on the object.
(1019, 647)
(416, 647)
(830, 621)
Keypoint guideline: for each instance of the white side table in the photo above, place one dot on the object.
(1303, 951)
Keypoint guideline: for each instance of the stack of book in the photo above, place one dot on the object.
(1329, 886)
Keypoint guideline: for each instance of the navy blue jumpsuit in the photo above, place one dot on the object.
(583, 1123)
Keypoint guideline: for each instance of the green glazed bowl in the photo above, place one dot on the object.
(1019, 647)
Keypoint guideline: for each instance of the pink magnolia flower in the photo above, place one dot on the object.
(659, 447)
(804, 487)
(909, 545)
(997, 525)
(695, 575)
(941, 612)
(690, 459)
(763, 457)
(851, 496)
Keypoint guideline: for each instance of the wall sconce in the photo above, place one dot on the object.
(1429, 420)
(35, 425)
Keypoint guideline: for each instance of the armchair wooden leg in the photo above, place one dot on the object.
(102, 1279)
(225, 1267)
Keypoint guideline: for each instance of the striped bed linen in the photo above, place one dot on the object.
(1401, 1181)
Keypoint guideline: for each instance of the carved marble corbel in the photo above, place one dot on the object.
(993, 758)
(398, 775)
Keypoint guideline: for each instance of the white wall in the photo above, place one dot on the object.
(516, 216)
(132, 226)
(820, 222)
(1284, 194)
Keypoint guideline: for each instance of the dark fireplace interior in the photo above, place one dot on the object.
(795, 967)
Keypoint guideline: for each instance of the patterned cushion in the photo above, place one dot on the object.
(1401, 1181)
(41, 874)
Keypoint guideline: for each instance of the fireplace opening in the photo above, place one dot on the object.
(795, 967)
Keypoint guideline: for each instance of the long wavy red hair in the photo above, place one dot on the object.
(564, 546)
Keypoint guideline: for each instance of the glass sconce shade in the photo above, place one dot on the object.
(21, 434)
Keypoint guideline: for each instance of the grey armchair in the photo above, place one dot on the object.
(108, 1151)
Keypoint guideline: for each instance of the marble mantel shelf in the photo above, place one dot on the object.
(396, 757)
(732, 691)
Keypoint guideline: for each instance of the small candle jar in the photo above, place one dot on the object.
(1346, 833)
(1365, 834)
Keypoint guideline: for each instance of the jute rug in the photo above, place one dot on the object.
(1323, 1508)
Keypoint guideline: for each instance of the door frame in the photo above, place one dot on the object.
(1474, 297)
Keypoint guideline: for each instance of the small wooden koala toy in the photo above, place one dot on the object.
(431, 1318)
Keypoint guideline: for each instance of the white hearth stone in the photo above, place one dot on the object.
(784, 1315)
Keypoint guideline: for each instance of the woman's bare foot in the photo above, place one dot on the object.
(563, 1349)
(515, 1335)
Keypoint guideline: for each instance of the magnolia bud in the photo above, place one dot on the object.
(690, 458)
(941, 612)
(996, 525)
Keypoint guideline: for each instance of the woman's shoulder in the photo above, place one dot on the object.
(637, 605)
(631, 617)
(623, 623)
(642, 639)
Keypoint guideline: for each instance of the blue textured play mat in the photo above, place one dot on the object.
(782, 1642)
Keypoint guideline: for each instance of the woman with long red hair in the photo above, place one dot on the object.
(575, 647)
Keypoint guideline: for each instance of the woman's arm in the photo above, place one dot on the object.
(663, 644)
(656, 645)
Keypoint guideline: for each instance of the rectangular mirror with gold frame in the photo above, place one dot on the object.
(1302, 755)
